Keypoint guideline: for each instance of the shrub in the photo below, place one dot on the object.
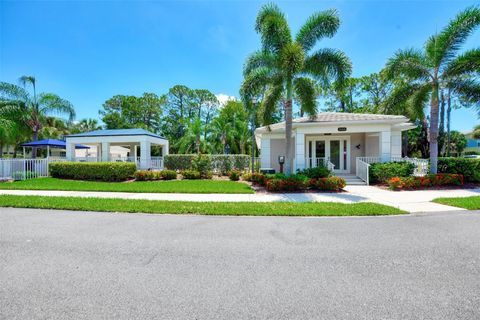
(469, 168)
(431, 180)
(146, 175)
(202, 164)
(234, 175)
(316, 173)
(290, 183)
(104, 171)
(328, 184)
(382, 172)
(256, 178)
(168, 174)
(190, 174)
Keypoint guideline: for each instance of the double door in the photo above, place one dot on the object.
(334, 149)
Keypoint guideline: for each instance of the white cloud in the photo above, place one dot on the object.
(223, 98)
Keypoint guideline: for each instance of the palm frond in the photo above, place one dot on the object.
(443, 47)
(466, 63)
(50, 103)
(13, 92)
(259, 59)
(270, 103)
(411, 63)
(255, 82)
(320, 25)
(273, 28)
(418, 101)
(306, 95)
(468, 90)
(326, 64)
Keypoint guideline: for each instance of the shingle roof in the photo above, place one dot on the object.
(117, 132)
(340, 117)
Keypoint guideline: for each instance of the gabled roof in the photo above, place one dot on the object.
(117, 132)
(340, 117)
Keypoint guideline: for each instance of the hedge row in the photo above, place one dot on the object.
(294, 182)
(104, 171)
(469, 168)
(148, 175)
(219, 163)
(430, 180)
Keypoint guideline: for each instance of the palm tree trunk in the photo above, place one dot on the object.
(449, 110)
(434, 129)
(288, 128)
(35, 138)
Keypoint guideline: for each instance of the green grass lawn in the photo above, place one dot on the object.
(173, 186)
(205, 208)
(470, 203)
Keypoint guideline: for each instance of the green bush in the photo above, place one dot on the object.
(234, 175)
(328, 184)
(190, 174)
(469, 168)
(316, 173)
(293, 182)
(168, 174)
(104, 171)
(382, 172)
(256, 178)
(203, 164)
(179, 161)
(146, 175)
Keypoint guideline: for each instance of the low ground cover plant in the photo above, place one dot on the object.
(296, 182)
(148, 175)
(469, 168)
(382, 172)
(102, 171)
(190, 174)
(431, 180)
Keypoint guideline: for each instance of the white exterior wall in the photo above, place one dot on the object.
(299, 159)
(384, 146)
(265, 154)
(396, 144)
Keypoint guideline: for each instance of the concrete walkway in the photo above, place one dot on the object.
(411, 201)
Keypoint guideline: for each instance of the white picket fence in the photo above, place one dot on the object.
(23, 169)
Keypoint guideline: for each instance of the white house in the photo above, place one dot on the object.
(110, 145)
(336, 139)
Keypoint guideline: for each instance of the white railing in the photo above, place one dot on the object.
(421, 166)
(22, 169)
(362, 169)
(316, 162)
(86, 159)
(369, 160)
(156, 163)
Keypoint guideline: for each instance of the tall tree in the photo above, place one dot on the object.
(437, 62)
(286, 66)
(30, 108)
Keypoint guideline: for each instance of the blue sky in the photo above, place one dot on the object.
(88, 51)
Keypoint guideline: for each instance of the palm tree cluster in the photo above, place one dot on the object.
(288, 68)
(28, 115)
(285, 71)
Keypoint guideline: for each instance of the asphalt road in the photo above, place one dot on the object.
(74, 265)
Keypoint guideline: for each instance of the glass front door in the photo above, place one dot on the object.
(334, 149)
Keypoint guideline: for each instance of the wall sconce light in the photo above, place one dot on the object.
(357, 146)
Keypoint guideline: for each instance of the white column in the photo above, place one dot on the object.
(165, 149)
(396, 144)
(384, 146)
(265, 154)
(145, 154)
(70, 151)
(105, 151)
(299, 152)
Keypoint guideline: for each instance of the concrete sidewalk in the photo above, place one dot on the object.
(411, 201)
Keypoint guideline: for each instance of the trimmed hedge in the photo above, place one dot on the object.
(295, 182)
(104, 171)
(430, 180)
(328, 184)
(219, 163)
(469, 168)
(190, 174)
(290, 183)
(382, 172)
(316, 173)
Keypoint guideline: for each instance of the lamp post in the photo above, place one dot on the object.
(254, 102)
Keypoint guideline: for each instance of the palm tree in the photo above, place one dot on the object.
(440, 62)
(286, 67)
(86, 125)
(191, 140)
(31, 108)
